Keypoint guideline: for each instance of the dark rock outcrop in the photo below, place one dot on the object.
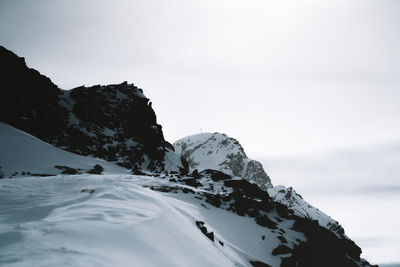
(203, 229)
(259, 264)
(319, 247)
(114, 122)
(67, 170)
(97, 169)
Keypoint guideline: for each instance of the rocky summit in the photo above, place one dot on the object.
(218, 151)
(113, 122)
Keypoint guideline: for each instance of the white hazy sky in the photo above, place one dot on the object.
(283, 77)
(310, 88)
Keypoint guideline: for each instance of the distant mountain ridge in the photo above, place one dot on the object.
(114, 122)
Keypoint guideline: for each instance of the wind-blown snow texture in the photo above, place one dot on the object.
(84, 211)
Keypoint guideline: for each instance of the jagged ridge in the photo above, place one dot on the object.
(220, 152)
(114, 122)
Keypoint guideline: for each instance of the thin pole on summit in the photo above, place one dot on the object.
(201, 130)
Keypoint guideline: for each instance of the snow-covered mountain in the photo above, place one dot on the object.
(120, 219)
(141, 207)
(217, 151)
(114, 122)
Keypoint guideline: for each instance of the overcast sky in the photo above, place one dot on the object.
(283, 77)
(310, 88)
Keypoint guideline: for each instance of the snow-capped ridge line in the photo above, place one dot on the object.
(217, 151)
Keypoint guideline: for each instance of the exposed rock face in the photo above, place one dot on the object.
(114, 122)
(298, 240)
(294, 201)
(217, 151)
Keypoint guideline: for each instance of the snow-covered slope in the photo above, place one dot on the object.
(50, 222)
(120, 219)
(23, 154)
(131, 220)
(291, 199)
(217, 151)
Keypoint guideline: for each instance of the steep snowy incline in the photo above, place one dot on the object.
(217, 151)
(291, 199)
(23, 154)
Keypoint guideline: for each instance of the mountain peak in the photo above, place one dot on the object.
(114, 122)
(217, 151)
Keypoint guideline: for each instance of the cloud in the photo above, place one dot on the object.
(370, 169)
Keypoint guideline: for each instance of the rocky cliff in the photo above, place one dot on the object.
(114, 122)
